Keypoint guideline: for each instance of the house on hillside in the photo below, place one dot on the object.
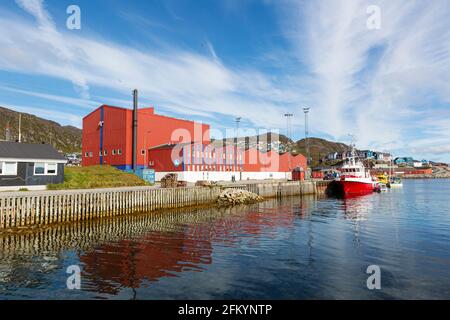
(417, 164)
(331, 156)
(382, 156)
(30, 166)
(366, 154)
(404, 161)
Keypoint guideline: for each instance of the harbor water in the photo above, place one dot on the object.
(292, 248)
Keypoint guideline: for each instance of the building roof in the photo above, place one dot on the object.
(16, 150)
(171, 145)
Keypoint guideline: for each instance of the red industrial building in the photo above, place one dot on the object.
(168, 144)
(108, 135)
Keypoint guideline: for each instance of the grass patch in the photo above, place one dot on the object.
(95, 177)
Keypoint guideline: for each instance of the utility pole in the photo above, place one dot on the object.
(308, 157)
(20, 124)
(288, 132)
(8, 132)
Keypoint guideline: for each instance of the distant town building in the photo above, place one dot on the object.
(383, 166)
(382, 156)
(332, 156)
(366, 154)
(404, 161)
(417, 164)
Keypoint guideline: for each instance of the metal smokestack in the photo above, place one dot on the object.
(135, 125)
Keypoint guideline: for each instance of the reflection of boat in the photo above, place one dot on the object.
(355, 178)
(396, 182)
(380, 187)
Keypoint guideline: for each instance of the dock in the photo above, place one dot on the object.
(40, 208)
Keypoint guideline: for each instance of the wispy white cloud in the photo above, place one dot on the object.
(173, 78)
(374, 83)
(45, 40)
(381, 85)
(83, 103)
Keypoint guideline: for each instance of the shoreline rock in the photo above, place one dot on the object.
(232, 197)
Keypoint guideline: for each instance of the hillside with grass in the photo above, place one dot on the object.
(37, 130)
(96, 177)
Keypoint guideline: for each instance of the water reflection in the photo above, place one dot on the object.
(290, 248)
(123, 252)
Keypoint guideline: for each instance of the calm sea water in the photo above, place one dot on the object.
(294, 248)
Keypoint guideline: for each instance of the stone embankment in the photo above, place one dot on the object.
(231, 197)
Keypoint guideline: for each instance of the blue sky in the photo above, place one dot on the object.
(213, 61)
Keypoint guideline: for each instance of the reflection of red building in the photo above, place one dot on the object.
(127, 264)
(111, 267)
(168, 144)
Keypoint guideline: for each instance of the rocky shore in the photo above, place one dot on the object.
(438, 173)
(231, 197)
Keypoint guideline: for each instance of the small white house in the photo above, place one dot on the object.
(417, 164)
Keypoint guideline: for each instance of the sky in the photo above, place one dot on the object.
(378, 70)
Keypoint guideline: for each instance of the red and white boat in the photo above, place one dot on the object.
(355, 179)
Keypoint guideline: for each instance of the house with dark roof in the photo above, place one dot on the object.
(30, 166)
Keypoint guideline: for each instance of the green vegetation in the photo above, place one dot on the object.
(96, 177)
(23, 189)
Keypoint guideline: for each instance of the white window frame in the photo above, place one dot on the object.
(56, 168)
(45, 169)
(3, 164)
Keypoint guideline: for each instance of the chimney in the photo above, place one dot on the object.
(135, 124)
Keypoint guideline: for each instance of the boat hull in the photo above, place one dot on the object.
(346, 188)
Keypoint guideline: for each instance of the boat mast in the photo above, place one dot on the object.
(352, 150)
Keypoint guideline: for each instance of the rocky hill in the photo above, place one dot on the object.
(319, 148)
(38, 130)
